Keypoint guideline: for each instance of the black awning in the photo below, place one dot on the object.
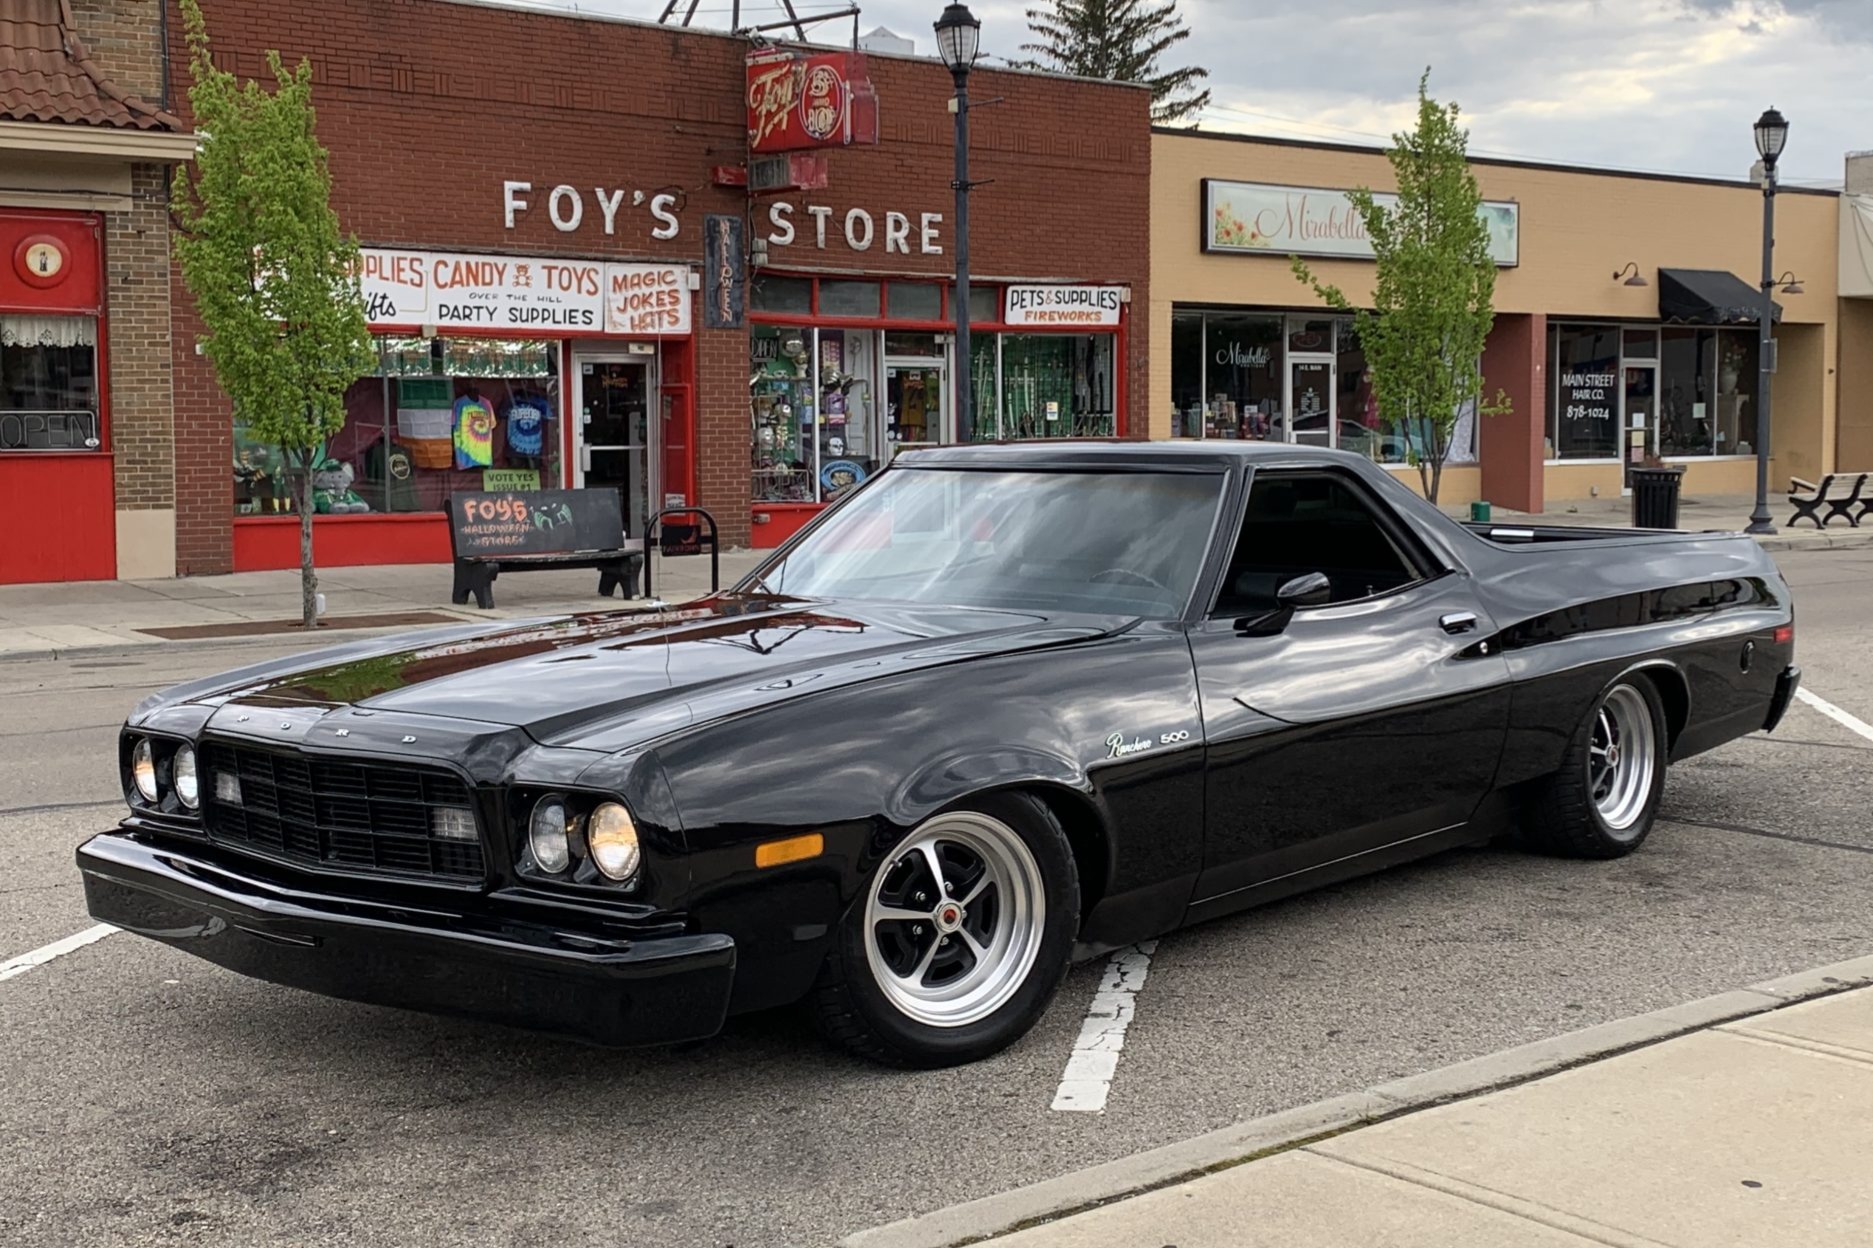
(1708, 297)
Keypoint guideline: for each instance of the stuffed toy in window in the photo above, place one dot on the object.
(331, 490)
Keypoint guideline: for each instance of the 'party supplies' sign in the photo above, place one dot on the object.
(412, 289)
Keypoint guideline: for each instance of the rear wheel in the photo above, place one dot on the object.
(959, 940)
(1603, 800)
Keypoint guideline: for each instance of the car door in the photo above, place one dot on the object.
(1345, 728)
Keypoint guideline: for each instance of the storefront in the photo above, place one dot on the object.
(493, 372)
(1622, 334)
(846, 372)
(797, 330)
(86, 474)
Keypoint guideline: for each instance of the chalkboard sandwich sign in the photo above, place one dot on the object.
(491, 532)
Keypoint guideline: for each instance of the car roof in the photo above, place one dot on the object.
(1180, 455)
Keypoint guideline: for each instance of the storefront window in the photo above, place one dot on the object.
(848, 380)
(1361, 431)
(1186, 374)
(1057, 386)
(854, 299)
(439, 416)
(789, 296)
(1243, 361)
(985, 393)
(1708, 390)
(49, 383)
(914, 301)
(1584, 400)
(781, 400)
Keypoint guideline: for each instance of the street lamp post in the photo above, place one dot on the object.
(1771, 138)
(959, 37)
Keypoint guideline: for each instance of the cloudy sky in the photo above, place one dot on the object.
(1669, 85)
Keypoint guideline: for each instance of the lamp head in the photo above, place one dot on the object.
(959, 38)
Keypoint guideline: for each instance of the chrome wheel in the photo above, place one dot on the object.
(1621, 758)
(954, 921)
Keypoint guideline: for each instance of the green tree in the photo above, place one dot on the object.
(274, 279)
(1119, 40)
(1435, 280)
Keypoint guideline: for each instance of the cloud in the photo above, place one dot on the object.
(1665, 85)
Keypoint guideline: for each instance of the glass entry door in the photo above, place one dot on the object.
(1312, 400)
(1640, 424)
(916, 404)
(614, 433)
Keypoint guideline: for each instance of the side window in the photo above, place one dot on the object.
(1301, 522)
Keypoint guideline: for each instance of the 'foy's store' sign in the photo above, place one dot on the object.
(510, 293)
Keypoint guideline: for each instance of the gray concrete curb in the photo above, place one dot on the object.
(128, 648)
(1055, 1198)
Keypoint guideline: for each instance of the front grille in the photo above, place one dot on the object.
(317, 811)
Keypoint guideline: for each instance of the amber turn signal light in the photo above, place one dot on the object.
(793, 849)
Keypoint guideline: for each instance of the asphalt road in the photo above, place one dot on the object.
(147, 1098)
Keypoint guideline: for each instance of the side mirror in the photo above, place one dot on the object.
(1311, 589)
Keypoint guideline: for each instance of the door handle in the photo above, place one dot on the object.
(1458, 622)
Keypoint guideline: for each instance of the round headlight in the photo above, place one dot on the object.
(546, 835)
(612, 839)
(143, 769)
(182, 775)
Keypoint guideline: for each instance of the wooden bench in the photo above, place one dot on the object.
(536, 530)
(1839, 492)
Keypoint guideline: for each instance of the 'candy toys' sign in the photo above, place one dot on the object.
(411, 289)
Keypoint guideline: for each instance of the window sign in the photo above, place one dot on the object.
(1064, 305)
(1251, 218)
(507, 293)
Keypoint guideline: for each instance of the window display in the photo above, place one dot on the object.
(49, 383)
(1707, 383)
(438, 416)
(1057, 386)
(1585, 401)
(1227, 377)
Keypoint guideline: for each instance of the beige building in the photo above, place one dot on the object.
(1626, 321)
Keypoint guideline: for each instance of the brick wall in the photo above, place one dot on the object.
(428, 107)
(124, 38)
(136, 271)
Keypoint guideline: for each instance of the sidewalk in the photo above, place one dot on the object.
(1755, 1133)
(46, 621)
(1728, 512)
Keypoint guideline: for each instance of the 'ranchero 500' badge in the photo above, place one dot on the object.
(1118, 747)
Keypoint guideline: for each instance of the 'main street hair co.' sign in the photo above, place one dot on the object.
(1252, 218)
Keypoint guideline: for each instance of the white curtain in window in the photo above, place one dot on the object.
(23, 330)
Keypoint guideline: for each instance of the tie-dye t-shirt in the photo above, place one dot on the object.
(474, 432)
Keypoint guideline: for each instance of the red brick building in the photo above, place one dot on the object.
(87, 480)
(534, 192)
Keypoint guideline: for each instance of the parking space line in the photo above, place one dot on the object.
(1827, 708)
(1095, 1058)
(57, 949)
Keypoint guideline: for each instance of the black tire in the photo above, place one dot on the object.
(1567, 816)
(855, 1008)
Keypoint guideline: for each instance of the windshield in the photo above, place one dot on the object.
(1124, 543)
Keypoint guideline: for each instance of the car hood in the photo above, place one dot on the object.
(606, 681)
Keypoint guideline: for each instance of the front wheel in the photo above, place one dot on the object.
(959, 940)
(1603, 800)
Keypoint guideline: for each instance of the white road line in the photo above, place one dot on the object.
(1834, 713)
(57, 949)
(1095, 1058)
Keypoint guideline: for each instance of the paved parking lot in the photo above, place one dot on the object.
(150, 1098)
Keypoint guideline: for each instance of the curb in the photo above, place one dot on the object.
(1050, 1199)
(127, 647)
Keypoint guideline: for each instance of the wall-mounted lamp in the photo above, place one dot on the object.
(1790, 284)
(1635, 279)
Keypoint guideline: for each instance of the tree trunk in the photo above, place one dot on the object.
(308, 579)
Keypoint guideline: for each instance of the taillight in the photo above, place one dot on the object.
(1785, 635)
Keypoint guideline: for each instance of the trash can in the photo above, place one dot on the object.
(1479, 512)
(1655, 497)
